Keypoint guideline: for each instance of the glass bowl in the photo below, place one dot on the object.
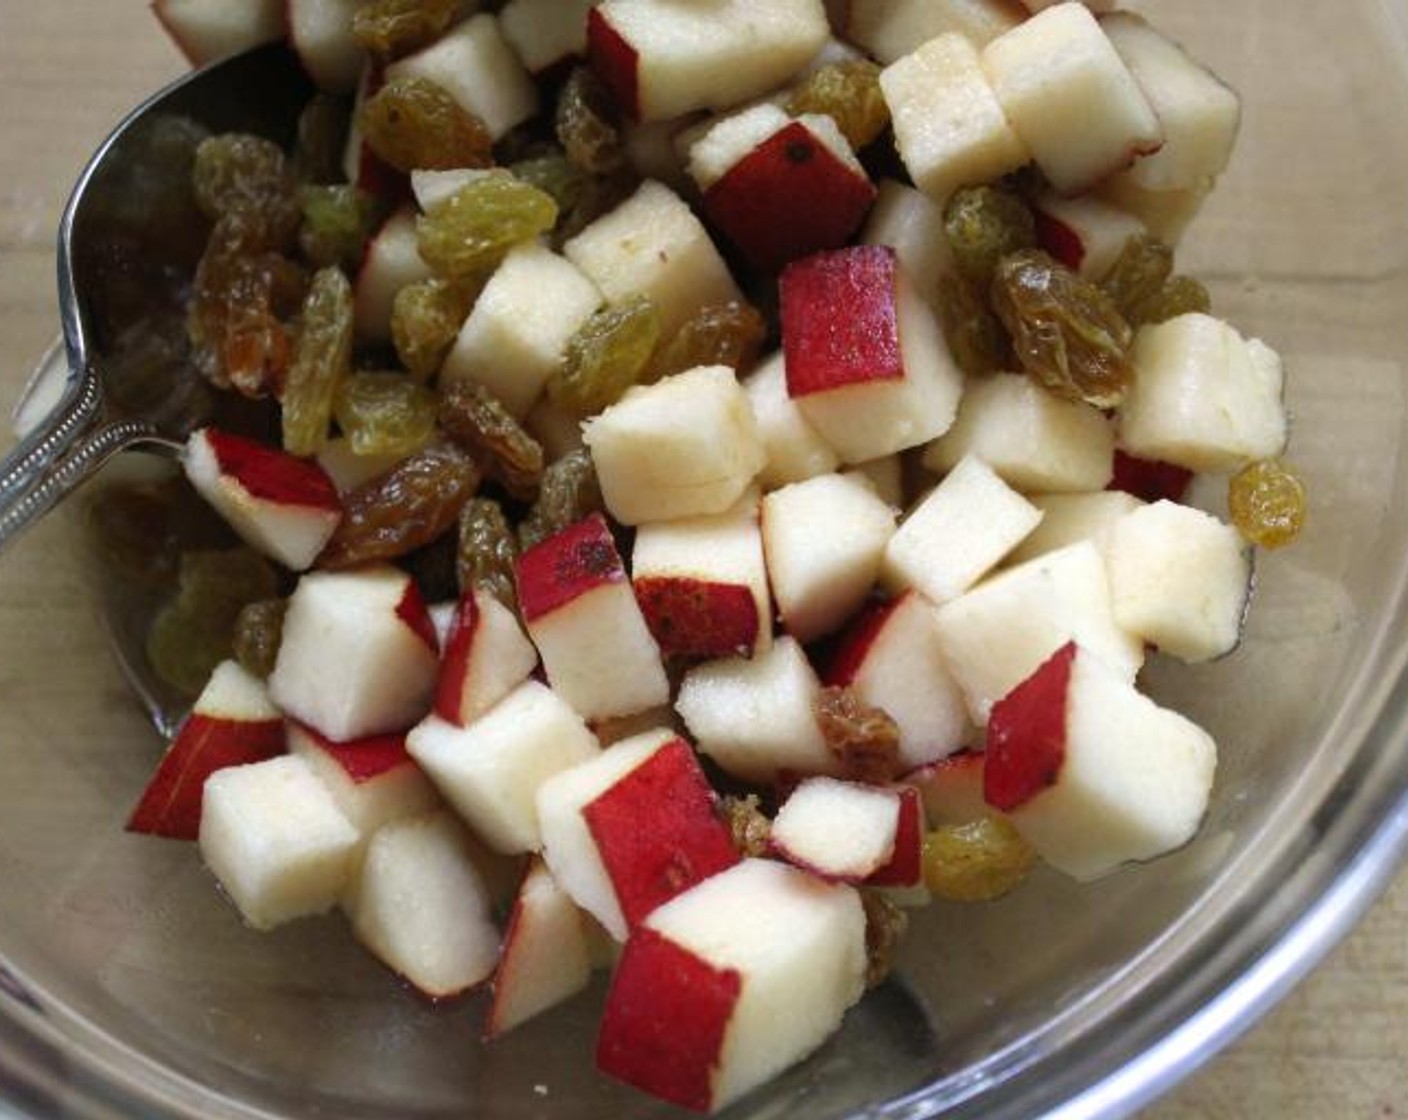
(129, 989)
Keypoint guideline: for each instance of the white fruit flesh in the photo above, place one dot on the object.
(205, 30)
(1070, 97)
(1037, 442)
(1199, 114)
(1097, 230)
(756, 717)
(1133, 785)
(823, 539)
(795, 450)
(275, 839)
(711, 55)
(1165, 214)
(477, 67)
(490, 771)
(517, 333)
(1070, 518)
(960, 531)
(867, 419)
(545, 32)
(837, 829)
(321, 33)
(727, 140)
(349, 664)
(996, 635)
(800, 958)
(546, 956)
(347, 469)
(912, 224)
(682, 447)
(497, 658)
(884, 476)
(951, 790)
(422, 907)
(950, 130)
(392, 261)
(653, 244)
(1202, 396)
(723, 550)
(430, 187)
(891, 29)
(901, 669)
(1179, 578)
(568, 846)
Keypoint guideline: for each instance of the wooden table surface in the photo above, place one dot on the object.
(69, 68)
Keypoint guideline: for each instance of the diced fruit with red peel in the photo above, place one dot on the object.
(890, 655)
(756, 717)
(957, 533)
(878, 379)
(205, 30)
(652, 244)
(413, 612)
(1180, 579)
(905, 868)
(1203, 397)
(839, 830)
(702, 584)
(950, 130)
(273, 836)
(486, 656)
(475, 65)
(912, 224)
(630, 827)
(1026, 739)
(824, 540)
(1036, 441)
(373, 781)
(996, 635)
(1084, 233)
(349, 664)
(446, 942)
(546, 33)
(320, 32)
(1070, 97)
(566, 566)
(233, 723)
(664, 1031)
(825, 350)
(657, 831)
(951, 789)
(660, 58)
(391, 262)
(1199, 114)
(577, 602)
(1148, 479)
(545, 958)
(795, 450)
(490, 770)
(800, 189)
(685, 446)
(1095, 774)
(705, 1006)
(284, 506)
(890, 29)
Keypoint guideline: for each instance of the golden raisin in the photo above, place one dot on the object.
(568, 492)
(469, 233)
(322, 358)
(865, 738)
(606, 356)
(885, 924)
(848, 93)
(747, 824)
(392, 28)
(259, 629)
(975, 335)
(384, 413)
(477, 420)
(985, 224)
(486, 551)
(1267, 503)
(414, 124)
(718, 334)
(586, 124)
(426, 318)
(977, 861)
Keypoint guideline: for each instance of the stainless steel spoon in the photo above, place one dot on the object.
(114, 261)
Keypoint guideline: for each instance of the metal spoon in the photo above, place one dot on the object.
(110, 254)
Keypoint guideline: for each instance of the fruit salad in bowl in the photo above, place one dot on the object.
(689, 503)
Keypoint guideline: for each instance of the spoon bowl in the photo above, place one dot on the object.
(129, 242)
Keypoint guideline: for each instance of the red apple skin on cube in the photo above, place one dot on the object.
(657, 831)
(614, 61)
(905, 867)
(838, 320)
(482, 659)
(566, 566)
(229, 726)
(692, 618)
(665, 1022)
(788, 197)
(1150, 479)
(1059, 239)
(1026, 738)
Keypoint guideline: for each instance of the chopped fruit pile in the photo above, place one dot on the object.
(702, 461)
